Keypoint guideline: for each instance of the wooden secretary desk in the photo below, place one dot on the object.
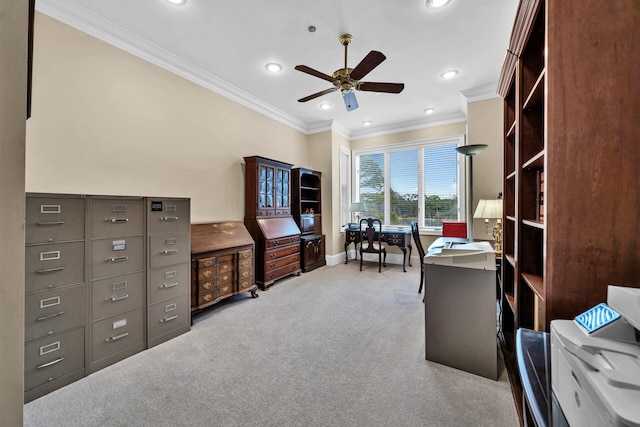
(267, 206)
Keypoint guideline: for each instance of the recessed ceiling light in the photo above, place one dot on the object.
(429, 110)
(367, 123)
(325, 106)
(177, 2)
(436, 4)
(272, 67)
(449, 74)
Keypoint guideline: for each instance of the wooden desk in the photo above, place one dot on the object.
(391, 236)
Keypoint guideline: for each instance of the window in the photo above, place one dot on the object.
(411, 182)
(345, 193)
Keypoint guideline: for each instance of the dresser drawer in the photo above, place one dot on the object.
(168, 215)
(207, 274)
(245, 263)
(115, 217)
(53, 220)
(246, 281)
(226, 264)
(169, 315)
(247, 253)
(206, 262)
(245, 273)
(281, 262)
(282, 241)
(169, 249)
(112, 257)
(168, 282)
(117, 295)
(117, 333)
(54, 265)
(52, 357)
(279, 253)
(276, 274)
(54, 311)
(225, 289)
(206, 296)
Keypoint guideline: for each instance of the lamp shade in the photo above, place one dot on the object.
(489, 208)
(471, 150)
(357, 207)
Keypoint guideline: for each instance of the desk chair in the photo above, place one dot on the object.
(370, 241)
(421, 253)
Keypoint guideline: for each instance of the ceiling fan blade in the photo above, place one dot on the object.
(350, 101)
(314, 73)
(315, 95)
(371, 61)
(381, 87)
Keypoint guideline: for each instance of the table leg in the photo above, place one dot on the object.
(346, 254)
(404, 258)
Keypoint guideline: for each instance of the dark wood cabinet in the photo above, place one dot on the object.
(307, 212)
(571, 199)
(268, 219)
(222, 263)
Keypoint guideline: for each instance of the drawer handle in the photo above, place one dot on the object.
(49, 270)
(207, 273)
(246, 263)
(168, 285)
(113, 299)
(169, 252)
(208, 263)
(245, 273)
(116, 220)
(207, 285)
(49, 316)
(169, 319)
(45, 365)
(207, 297)
(49, 222)
(117, 259)
(225, 267)
(117, 337)
(169, 218)
(225, 278)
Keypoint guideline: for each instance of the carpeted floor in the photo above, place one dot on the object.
(333, 347)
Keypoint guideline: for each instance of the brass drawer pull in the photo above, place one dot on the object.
(169, 218)
(45, 365)
(116, 220)
(117, 259)
(169, 319)
(206, 273)
(49, 222)
(117, 337)
(207, 297)
(113, 299)
(49, 316)
(49, 270)
(168, 285)
(207, 285)
(208, 263)
(169, 252)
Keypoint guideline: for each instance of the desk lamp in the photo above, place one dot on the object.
(357, 207)
(491, 209)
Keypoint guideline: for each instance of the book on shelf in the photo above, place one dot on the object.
(540, 196)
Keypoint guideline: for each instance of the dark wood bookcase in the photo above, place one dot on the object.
(307, 212)
(571, 190)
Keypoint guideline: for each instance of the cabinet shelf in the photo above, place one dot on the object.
(535, 100)
(511, 259)
(533, 223)
(535, 162)
(512, 130)
(511, 218)
(309, 188)
(511, 301)
(512, 175)
(536, 284)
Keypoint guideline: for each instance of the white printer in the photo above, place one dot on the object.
(595, 362)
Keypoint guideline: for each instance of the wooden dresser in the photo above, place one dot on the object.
(222, 263)
(268, 219)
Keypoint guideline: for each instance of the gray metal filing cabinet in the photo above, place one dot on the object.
(117, 254)
(169, 257)
(55, 288)
(105, 277)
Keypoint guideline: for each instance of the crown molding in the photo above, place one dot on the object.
(481, 93)
(441, 120)
(78, 17)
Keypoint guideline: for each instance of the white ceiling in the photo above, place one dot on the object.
(224, 45)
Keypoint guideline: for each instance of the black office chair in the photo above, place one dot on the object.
(416, 238)
(370, 241)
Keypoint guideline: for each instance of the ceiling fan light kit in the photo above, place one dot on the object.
(347, 80)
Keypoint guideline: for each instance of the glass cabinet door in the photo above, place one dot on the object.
(282, 188)
(265, 186)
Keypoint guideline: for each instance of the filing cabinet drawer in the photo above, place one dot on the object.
(168, 249)
(168, 282)
(116, 217)
(52, 357)
(279, 253)
(168, 215)
(112, 257)
(52, 266)
(117, 333)
(274, 243)
(169, 315)
(281, 262)
(246, 282)
(117, 295)
(50, 312)
(53, 220)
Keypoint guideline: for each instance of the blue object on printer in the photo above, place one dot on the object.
(597, 317)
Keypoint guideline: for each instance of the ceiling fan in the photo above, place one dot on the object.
(348, 79)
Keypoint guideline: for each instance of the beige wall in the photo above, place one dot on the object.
(106, 122)
(13, 83)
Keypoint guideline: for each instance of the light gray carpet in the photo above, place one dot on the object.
(333, 347)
